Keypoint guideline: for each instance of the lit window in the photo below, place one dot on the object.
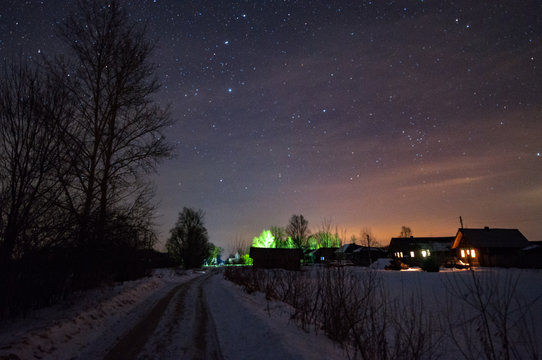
(473, 253)
(401, 254)
(424, 253)
(462, 253)
(412, 254)
(468, 252)
(428, 253)
(321, 258)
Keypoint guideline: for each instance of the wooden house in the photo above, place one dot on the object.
(415, 250)
(266, 258)
(490, 247)
(365, 256)
(532, 255)
(323, 255)
(346, 252)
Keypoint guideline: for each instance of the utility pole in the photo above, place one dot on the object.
(369, 247)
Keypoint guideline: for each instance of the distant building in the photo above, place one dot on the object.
(491, 247)
(415, 250)
(365, 255)
(532, 255)
(266, 258)
(323, 255)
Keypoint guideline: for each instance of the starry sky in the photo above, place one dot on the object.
(365, 114)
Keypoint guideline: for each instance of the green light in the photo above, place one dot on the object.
(247, 260)
(265, 240)
(290, 243)
(323, 240)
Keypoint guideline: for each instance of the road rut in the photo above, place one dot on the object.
(178, 326)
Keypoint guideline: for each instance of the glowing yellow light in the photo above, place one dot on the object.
(412, 254)
(462, 253)
(473, 253)
(424, 253)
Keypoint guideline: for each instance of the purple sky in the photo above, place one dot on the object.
(370, 114)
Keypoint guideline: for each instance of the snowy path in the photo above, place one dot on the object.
(209, 318)
(178, 326)
(249, 326)
(193, 316)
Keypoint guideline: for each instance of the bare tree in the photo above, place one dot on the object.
(353, 239)
(406, 232)
(368, 239)
(239, 246)
(32, 111)
(116, 135)
(131, 226)
(298, 230)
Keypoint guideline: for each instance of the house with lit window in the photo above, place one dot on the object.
(490, 247)
(414, 251)
(323, 255)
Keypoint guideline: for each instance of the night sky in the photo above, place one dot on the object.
(370, 114)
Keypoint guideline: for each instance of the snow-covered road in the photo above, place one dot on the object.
(167, 316)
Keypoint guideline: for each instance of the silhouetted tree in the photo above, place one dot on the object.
(189, 242)
(406, 232)
(32, 111)
(353, 239)
(116, 133)
(132, 226)
(298, 230)
(368, 239)
(239, 246)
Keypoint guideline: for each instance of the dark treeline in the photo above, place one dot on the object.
(78, 135)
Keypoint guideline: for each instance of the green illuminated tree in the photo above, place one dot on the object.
(279, 233)
(298, 230)
(189, 241)
(265, 240)
(214, 252)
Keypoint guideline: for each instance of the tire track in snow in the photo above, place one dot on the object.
(130, 345)
(206, 341)
(178, 326)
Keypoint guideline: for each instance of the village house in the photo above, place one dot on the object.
(414, 251)
(323, 255)
(269, 258)
(365, 255)
(491, 247)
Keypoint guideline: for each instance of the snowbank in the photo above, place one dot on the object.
(69, 329)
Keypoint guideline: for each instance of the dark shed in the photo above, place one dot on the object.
(265, 258)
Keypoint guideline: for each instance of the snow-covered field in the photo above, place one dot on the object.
(245, 325)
